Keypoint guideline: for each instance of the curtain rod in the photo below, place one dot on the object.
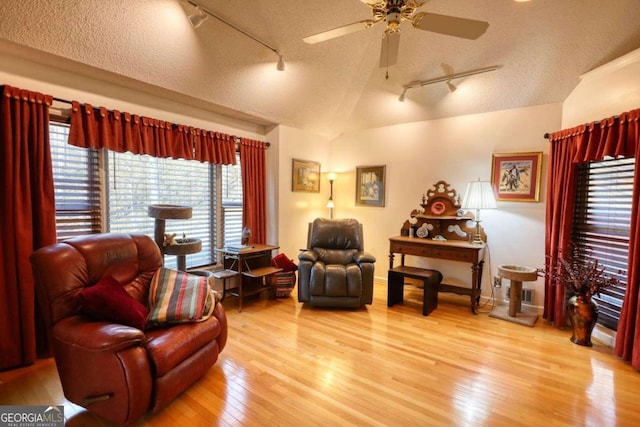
(597, 122)
(268, 144)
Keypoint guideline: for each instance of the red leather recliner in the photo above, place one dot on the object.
(115, 371)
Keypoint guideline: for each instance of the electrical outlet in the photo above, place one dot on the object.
(497, 281)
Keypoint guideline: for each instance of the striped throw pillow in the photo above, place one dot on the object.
(177, 297)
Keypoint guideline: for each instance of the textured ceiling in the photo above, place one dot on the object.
(541, 46)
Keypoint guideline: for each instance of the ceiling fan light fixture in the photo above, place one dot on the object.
(198, 17)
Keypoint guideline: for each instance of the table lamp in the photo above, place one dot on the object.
(479, 195)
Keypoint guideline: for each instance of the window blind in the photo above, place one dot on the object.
(602, 221)
(232, 203)
(137, 181)
(77, 186)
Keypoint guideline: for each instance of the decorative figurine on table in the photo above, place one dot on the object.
(246, 236)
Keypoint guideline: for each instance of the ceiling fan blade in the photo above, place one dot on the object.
(389, 50)
(450, 25)
(370, 2)
(340, 31)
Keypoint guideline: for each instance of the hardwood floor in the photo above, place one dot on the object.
(285, 365)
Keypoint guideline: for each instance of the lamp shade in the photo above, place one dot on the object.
(479, 195)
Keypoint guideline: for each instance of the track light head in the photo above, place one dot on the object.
(451, 86)
(198, 18)
(402, 96)
(280, 65)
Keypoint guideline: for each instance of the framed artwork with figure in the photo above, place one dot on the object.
(515, 177)
(305, 176)
(370, 185)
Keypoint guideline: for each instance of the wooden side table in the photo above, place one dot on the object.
(253, 265)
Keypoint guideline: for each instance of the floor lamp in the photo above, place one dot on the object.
(330, 204)
(479, 195)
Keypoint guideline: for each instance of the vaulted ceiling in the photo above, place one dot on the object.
(541, 46)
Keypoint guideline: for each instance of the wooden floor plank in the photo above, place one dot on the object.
(289, 365)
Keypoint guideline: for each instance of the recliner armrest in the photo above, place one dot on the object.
(361, 257)
(91, 335)
(308, 255)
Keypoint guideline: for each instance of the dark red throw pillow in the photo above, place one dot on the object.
(107, 300)
(282, 261)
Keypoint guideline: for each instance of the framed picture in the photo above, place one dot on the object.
(516, 176)
(370, 186)
(305, 176)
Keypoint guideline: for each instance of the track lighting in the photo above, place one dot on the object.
(447, 79)
(198, 18)
(202, 14)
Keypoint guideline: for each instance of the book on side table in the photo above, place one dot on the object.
(239, 247)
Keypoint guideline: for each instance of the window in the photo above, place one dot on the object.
(117, 201)
(137, 181)
(602, 221)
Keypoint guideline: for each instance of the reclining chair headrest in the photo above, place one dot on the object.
(336, 234)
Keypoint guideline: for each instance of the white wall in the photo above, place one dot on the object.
(297, 209)
(456, 150)
(604, 92)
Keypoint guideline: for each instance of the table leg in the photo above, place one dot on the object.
(391, 256)
(240, 284)
(476, 285)
(395, 288)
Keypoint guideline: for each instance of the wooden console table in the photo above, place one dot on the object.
(441, 216)
(453, 250)
(254, 267)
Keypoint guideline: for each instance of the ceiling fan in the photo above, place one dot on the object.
(394, 12)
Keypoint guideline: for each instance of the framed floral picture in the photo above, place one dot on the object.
(516, 176)
(305, 176)
(370, 185)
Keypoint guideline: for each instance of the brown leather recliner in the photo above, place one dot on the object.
(115, 371)
(334, 270)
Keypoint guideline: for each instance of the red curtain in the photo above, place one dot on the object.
(101, 128)
(561, 188)
(27, 219)
(252, 165)
(628, 335)
(614, 136)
